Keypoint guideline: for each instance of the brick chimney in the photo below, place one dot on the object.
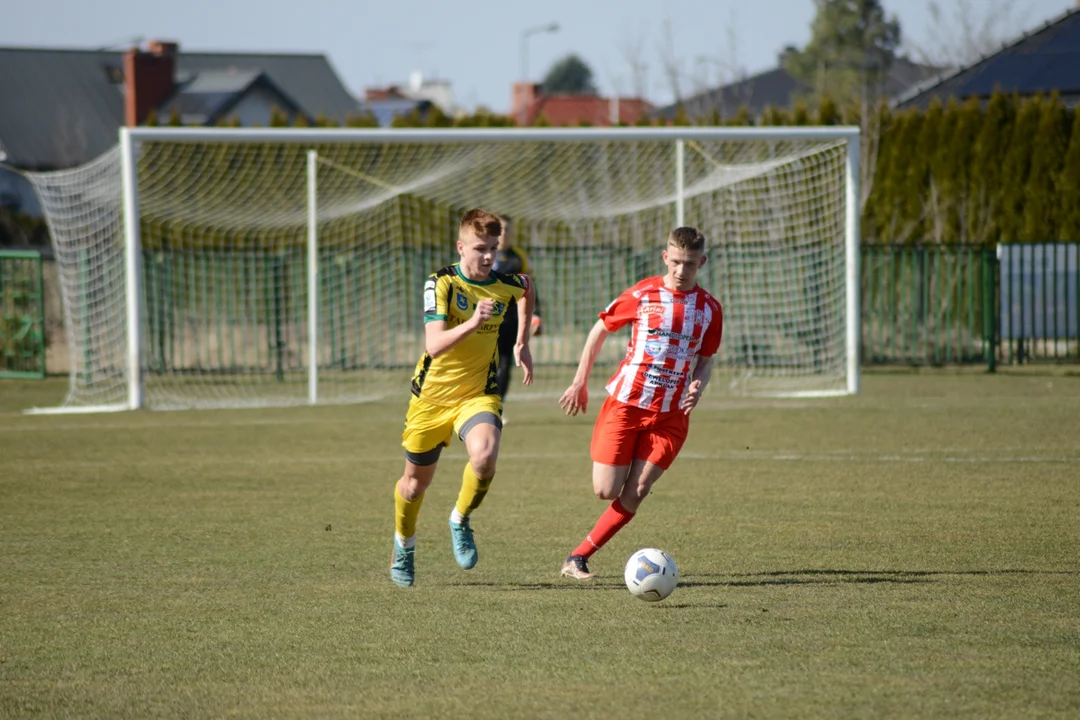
(525, 95)
(148, 79)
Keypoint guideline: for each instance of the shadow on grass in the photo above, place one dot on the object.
(689, 606)
(776, 577)
(869, 579)
(835, 577)
(552, 585)
(901, 573)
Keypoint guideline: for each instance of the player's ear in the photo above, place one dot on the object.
(702, 261)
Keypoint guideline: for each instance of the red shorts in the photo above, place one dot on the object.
(624, 432)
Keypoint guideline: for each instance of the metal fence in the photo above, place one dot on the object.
(921, 305)
(936, 305)
(1039, 302)
(22, 315)
(927, 305)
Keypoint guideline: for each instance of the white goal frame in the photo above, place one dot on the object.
(677, 136)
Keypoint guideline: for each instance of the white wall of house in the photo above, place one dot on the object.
(438, 92)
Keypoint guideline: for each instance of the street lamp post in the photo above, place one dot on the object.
(525, 35)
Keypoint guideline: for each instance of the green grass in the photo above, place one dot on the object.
(910, 552)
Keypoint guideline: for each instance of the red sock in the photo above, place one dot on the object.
(612, 521)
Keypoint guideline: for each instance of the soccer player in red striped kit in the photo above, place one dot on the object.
(675, 333)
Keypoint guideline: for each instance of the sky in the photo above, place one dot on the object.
(477, 44)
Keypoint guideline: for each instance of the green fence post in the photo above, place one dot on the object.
(278, 310)
(989, 297)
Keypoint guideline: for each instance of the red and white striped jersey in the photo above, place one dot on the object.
(670, 328)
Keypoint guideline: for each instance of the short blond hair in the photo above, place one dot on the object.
(687, 238)
(480, 223)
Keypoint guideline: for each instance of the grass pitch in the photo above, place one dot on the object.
(910, 552)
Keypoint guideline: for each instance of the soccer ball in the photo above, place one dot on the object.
(651, 574)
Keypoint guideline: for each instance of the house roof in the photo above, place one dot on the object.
(1042, 60)
(212, 94)
(62, 107)
(778, 88)
(560, 110)
(384, 110)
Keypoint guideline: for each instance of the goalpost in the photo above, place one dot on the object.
(206, 267)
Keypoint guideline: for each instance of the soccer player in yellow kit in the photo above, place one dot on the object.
(454, 387)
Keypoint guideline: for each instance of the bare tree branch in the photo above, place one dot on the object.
(962, 31)
(869, 142)
(631, 47)
(670, 63)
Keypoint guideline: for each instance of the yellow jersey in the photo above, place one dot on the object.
(468, 369)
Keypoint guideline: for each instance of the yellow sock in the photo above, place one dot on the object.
(473, 490)
(406, 513)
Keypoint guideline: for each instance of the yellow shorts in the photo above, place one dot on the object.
(429, 427)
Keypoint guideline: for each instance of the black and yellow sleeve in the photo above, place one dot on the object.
(437, 291)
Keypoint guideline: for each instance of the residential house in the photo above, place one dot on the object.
(61, 108)
(387, 103)
(529, 103)
(778, 88)
(1040, 61)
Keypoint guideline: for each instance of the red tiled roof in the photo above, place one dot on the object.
(562, 110)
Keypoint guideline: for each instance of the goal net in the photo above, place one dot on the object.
(232, 267)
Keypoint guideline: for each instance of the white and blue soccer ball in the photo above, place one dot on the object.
(651, 574)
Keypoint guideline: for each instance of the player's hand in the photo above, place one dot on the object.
(523, 359)
(484, 310)
(575, 399)
(690, 399)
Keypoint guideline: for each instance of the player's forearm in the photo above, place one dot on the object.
(593, 343)
(439, 340)
(702, 371)
(525, 314)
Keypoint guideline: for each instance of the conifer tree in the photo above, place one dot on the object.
(799, 114)
(774, 117)
(1015, 169)
(1069, 186)
(940, 179)
(960, 152)
(827, 111)
(1051, 142)
(741, 118)
(991, 143)
(905, 210)
(918, 200)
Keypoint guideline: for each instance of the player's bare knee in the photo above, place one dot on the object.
(410, 488)
(415, 480)
(606, 492)
(481, 434)
(483, 463)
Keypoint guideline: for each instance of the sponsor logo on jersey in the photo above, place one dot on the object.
(429, 297)
(654, 347)
(498, 309)
(660, 381)
(660, 349)
(651, 309)
(673, 335)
